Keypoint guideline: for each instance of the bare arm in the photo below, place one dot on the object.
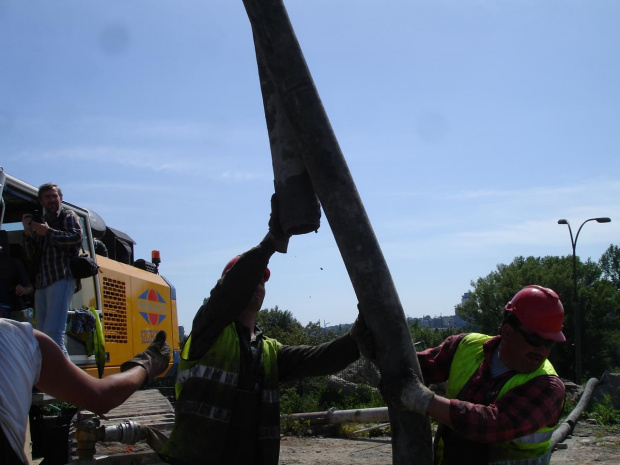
(65, 381)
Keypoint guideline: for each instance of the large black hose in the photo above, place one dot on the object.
(281, 59)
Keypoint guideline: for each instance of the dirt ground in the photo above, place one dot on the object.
(589, 444)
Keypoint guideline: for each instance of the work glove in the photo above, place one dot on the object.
(154, 359)
(278, 237)
(364, 338)
(408, 393)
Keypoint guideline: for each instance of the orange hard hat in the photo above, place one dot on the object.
(233, 260)
(539, 309)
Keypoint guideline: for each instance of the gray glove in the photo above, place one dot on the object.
(364, 338)
(408, 393)
(154, 359)
(278, 237)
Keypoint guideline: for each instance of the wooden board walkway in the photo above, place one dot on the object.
(148, 407)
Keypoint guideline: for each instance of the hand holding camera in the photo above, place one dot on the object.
(34, 222)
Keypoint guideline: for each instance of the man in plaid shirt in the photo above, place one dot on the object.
(51, 241)
(503, 397)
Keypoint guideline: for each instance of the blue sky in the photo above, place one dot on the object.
(470, 127)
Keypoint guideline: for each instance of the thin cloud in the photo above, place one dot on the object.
(144, 159)
(584, 186)
(536, 192)
(241, 176)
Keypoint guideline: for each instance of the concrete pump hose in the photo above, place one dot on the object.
(566, 428)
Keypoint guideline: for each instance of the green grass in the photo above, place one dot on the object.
(604, 413)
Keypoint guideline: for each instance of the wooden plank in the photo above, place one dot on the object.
(148, 407)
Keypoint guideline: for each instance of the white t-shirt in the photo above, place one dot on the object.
(20, 366)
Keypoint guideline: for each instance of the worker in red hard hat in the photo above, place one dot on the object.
(503, 397)
(227, 409)
(537, 315)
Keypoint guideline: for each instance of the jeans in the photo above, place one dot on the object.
(51, 309)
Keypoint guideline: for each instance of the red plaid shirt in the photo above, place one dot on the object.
(521, 411)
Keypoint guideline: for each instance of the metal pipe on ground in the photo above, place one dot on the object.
(279, 54)
(336, 417)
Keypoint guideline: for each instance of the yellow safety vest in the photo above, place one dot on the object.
(532, 449)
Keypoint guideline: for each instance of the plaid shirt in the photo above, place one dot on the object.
(53, 252)
(521, 411)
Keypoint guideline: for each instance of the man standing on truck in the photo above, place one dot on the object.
(51, 240)
(503, 397)
(227, 409)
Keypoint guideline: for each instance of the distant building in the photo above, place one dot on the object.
(437, 322)
(460, 322)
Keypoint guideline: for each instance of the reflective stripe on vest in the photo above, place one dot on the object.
(201, 409)
(203, 371)
(530, 449)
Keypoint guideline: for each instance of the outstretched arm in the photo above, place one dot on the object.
(63, 380)
(327, 358)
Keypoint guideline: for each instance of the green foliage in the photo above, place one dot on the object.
(604, 413)
(294, 401)
(362, 396)
(281, 325)
(610, 264)
(294, 426)
(426, 337)
(314, 394)
(567, 408)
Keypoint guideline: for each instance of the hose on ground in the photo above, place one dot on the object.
(566, 428)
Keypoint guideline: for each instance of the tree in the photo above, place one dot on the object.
(610, 263)
(281, 325)
(425, 337)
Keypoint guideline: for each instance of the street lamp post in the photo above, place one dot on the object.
(577, 316)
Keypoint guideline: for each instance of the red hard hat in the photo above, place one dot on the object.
(539, 309)
(234, 260)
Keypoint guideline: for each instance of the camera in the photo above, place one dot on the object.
(36, 217)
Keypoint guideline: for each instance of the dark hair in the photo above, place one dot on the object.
(46, 187)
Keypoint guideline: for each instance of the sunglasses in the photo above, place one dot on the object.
(534, 339)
